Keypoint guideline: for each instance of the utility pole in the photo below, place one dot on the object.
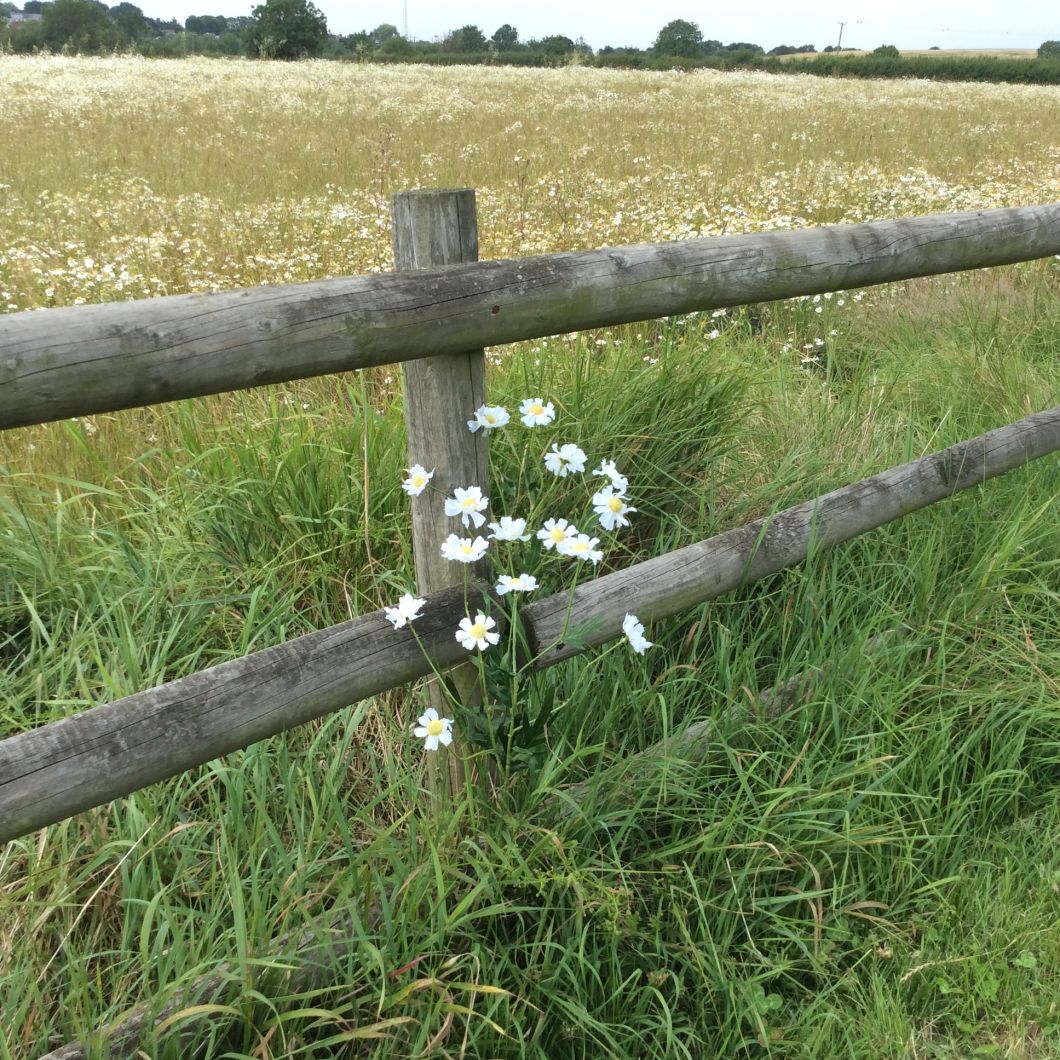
(405, 19)
(842, 26)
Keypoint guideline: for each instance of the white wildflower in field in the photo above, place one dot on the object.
(476, 634)
(509, 529)
(611, 508)
(535, 413)
(521, 583)
(467, 505)
(633, 628)
(434, 730)
(562, 460)
(463, 549)
(581, 547)
(488, 417)
(417, 480)
(619, 481)
(555, 532)
(408, 608)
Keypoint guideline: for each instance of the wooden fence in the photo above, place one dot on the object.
(85, 360)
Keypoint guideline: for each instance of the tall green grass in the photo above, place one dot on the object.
(871, 873)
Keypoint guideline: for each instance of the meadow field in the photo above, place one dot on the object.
(874, 872)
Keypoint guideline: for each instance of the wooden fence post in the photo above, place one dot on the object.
(430, 228)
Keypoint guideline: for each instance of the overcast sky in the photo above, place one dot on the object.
(906, 23)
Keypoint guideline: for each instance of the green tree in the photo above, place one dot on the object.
(382, 33)
(887, 51)
(130, 20)
(396, 47)
(215, 24)
(555, 45)
(77, 25)
(1049, 49)
(506, 38)
(680, 38)
(287, 29)
(465, 39)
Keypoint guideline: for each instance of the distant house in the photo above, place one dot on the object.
(20, 16)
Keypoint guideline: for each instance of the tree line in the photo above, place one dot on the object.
(297, 29)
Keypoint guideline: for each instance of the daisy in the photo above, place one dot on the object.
(634, 631)
(467, 504)
(408, 608)
(562, 460)
(433, 730)
(521, 583)
(611, 508)
(477, 634)
(488, 417)
(607, 469)
(535, 413)
(509, 529)
(463, 549)
(581, 547)
(417, 481)
(555, 532)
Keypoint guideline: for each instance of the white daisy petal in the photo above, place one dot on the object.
(634, 631)
(536, 412)
(417, 480)
(433, 729)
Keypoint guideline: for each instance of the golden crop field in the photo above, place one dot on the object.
(123, 178)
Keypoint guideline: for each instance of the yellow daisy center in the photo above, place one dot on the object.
(466, 549)
(536, 410)
(435, 727)
(579, 546)
(418, 480)
(557, 534)
(615, 504)
(478, 631)
(490, 418)
(468, 502)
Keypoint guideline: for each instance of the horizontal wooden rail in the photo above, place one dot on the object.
(57, 770)
(670, 583)
(87, 359)
(52, 772)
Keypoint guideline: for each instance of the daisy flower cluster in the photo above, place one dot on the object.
(610, 505)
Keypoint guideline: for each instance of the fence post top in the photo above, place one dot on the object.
(434, 192)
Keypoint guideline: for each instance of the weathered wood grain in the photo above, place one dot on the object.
(86, 359)
(90, 758)
(430, 229)
(688, 576)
